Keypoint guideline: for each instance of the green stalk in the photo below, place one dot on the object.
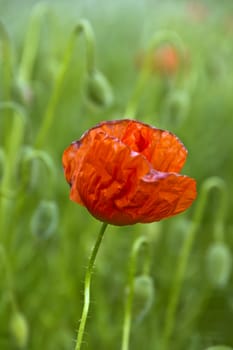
(6, 75)
(179, 275)
(87, 284)
(14, 142)
(82, 27)
(141, 241)
(9, 279)
(7, 63)
(31, 44)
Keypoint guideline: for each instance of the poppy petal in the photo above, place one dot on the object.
(162, 194)
(99, 186)
(125, 172)
(161, 148)
(69, 161)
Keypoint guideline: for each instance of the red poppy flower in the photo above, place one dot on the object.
(166, 59)
(125, 172)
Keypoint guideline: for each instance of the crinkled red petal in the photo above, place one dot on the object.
(116, 181)
(162, 149)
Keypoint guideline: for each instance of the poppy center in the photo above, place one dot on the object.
(136, 139)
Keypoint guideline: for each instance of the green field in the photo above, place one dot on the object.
(165, 63)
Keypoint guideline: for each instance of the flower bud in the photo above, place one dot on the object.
(167, 59)
(143, 297)
(218, 264)
(19, 329)
(99, 91)
(45, 219)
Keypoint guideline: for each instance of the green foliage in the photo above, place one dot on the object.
(47, 82)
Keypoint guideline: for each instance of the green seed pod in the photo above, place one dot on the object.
(19, 329)
(143, 299)
(45, 219)
(219, 347)
(99, 91)
(218, 264)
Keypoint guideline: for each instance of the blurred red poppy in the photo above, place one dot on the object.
(125, 172)
(167, 60)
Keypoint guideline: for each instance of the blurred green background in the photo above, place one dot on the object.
(46, 239)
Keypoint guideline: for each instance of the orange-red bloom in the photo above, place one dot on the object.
(167, 60)
(125, 172)
(164, 59)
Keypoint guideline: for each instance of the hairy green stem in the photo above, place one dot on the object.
(87, 284)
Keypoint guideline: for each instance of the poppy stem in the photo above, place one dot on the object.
(31, 44)
(7, 63)
(9, 277)
(12, 147)
(179, 275)
(84, 27)
(131, 108)
(141, 241)
(87, 284)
